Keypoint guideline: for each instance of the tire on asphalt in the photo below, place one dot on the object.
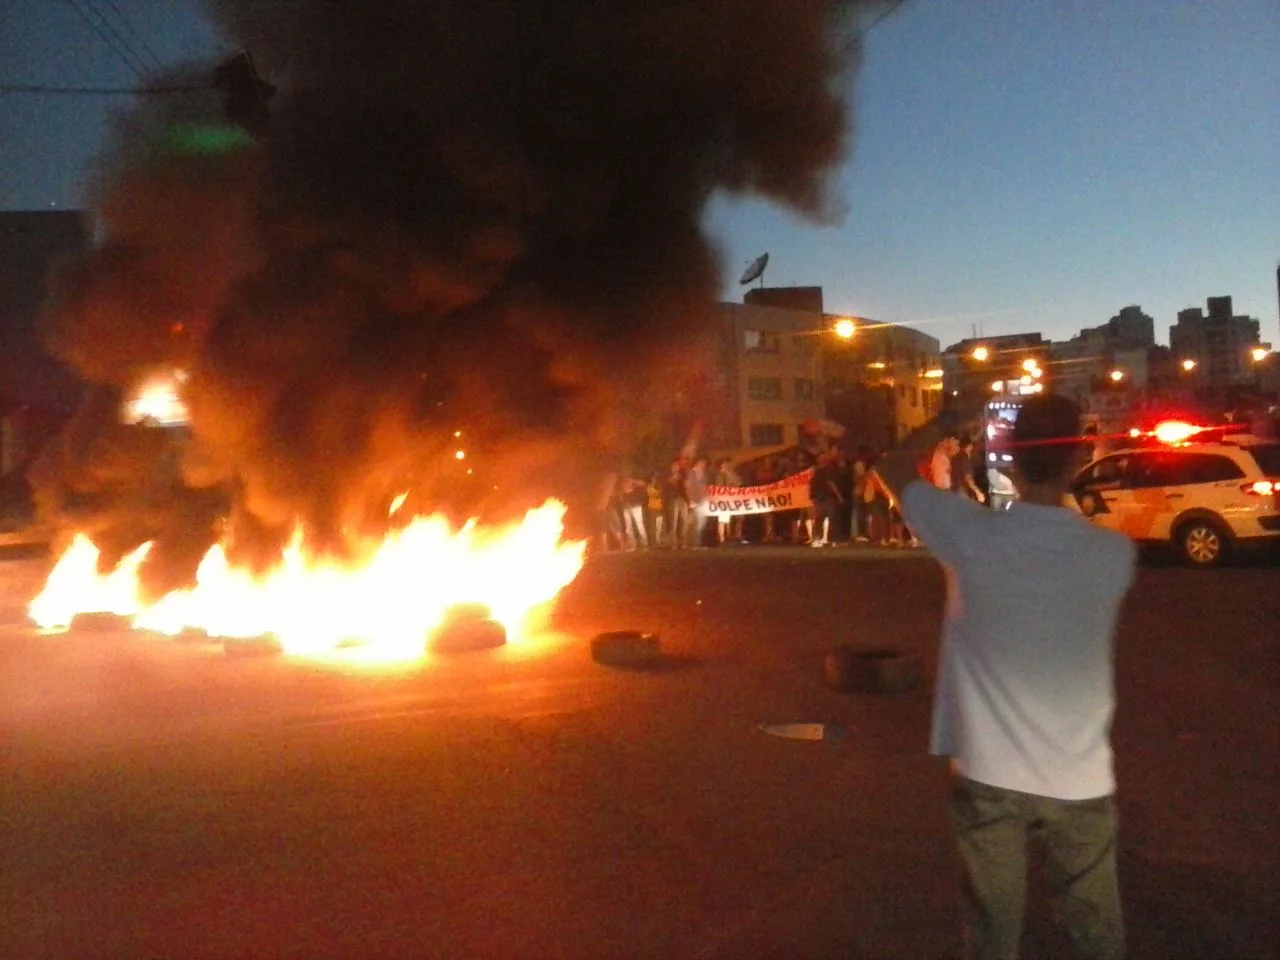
(466, 634)
(1202, 543)
(851, 669)
(626, 648)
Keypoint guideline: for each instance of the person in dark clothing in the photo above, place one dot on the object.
(824, 492)
(962, 480)
(844, 515)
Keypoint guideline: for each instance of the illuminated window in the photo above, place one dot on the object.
(759, 341)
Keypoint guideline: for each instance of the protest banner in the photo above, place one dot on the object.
(789, 493)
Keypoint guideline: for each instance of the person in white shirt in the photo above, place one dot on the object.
(940, 465)
(1025, 690)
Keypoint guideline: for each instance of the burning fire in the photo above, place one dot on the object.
(379, 607)
(158, 400)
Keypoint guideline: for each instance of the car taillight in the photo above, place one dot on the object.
(1262, 488)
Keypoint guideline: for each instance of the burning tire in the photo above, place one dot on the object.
(870, 670)
(468, 627)
(626, 648)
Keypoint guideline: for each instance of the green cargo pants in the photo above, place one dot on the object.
(1077, 839)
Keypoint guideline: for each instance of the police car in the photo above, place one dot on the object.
(1203, 493)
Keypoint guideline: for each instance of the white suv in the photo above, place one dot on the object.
(1203, 498)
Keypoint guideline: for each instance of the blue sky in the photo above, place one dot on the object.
(1017, 164)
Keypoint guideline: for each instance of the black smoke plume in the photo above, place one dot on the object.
(466, 225)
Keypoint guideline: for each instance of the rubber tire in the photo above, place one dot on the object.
(850, 669)
(626, 648)
(465, 634)
(1185, 533)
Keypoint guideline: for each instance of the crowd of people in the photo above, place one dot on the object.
(850, 502)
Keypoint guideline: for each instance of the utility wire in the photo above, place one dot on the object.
(120, 49)
(96, 91)
(887, 11)
(128, 25)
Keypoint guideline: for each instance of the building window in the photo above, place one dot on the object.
(766, 434)
(759, 341)
(915, 397)
(804, 388)
(902, 391)
(764, 388)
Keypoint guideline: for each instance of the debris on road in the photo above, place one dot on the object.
(851, 669)
(805, 731)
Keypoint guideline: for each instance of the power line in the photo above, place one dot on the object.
(128, 25)
(96, 91)
(119, 48)
(887, 11)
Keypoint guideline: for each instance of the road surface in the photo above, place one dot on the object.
(163, 800)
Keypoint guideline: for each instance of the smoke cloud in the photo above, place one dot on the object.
(469, 225)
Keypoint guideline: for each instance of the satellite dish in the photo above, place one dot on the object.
(755, 269)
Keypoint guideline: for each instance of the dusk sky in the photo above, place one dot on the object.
(1021, 165)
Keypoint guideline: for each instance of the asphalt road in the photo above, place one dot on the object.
(159, 799)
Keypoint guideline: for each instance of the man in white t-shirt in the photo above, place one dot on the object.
(940, 464)
(1025, 692)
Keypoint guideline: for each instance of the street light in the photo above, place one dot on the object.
(1116, 376)
(1188, 365)
(981, 354)
(844, 328)
(1259, 354)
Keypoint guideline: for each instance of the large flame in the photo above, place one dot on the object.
(157, 400)
(380, 606)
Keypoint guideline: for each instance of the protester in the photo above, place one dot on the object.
(633, 500)
(612, 536)
(940, 463)
(878, 500)
(1025, 689)
(676, 505)
(656, 509)
(696, 494)
(962, 481)
(767, 473)
(1003, 492)
(861, 516)
(728, 527)
(824, 496)
(844, 529)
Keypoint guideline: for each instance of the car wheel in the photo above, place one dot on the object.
(1202, 543)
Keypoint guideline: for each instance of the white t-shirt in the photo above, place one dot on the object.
(1026, 690)
(941, 470)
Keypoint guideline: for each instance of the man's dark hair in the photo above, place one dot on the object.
(1046, 438)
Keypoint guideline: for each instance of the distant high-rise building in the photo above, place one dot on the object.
(1131, 328)
(1218, 341)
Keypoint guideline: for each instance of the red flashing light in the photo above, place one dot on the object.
(1175, 431)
